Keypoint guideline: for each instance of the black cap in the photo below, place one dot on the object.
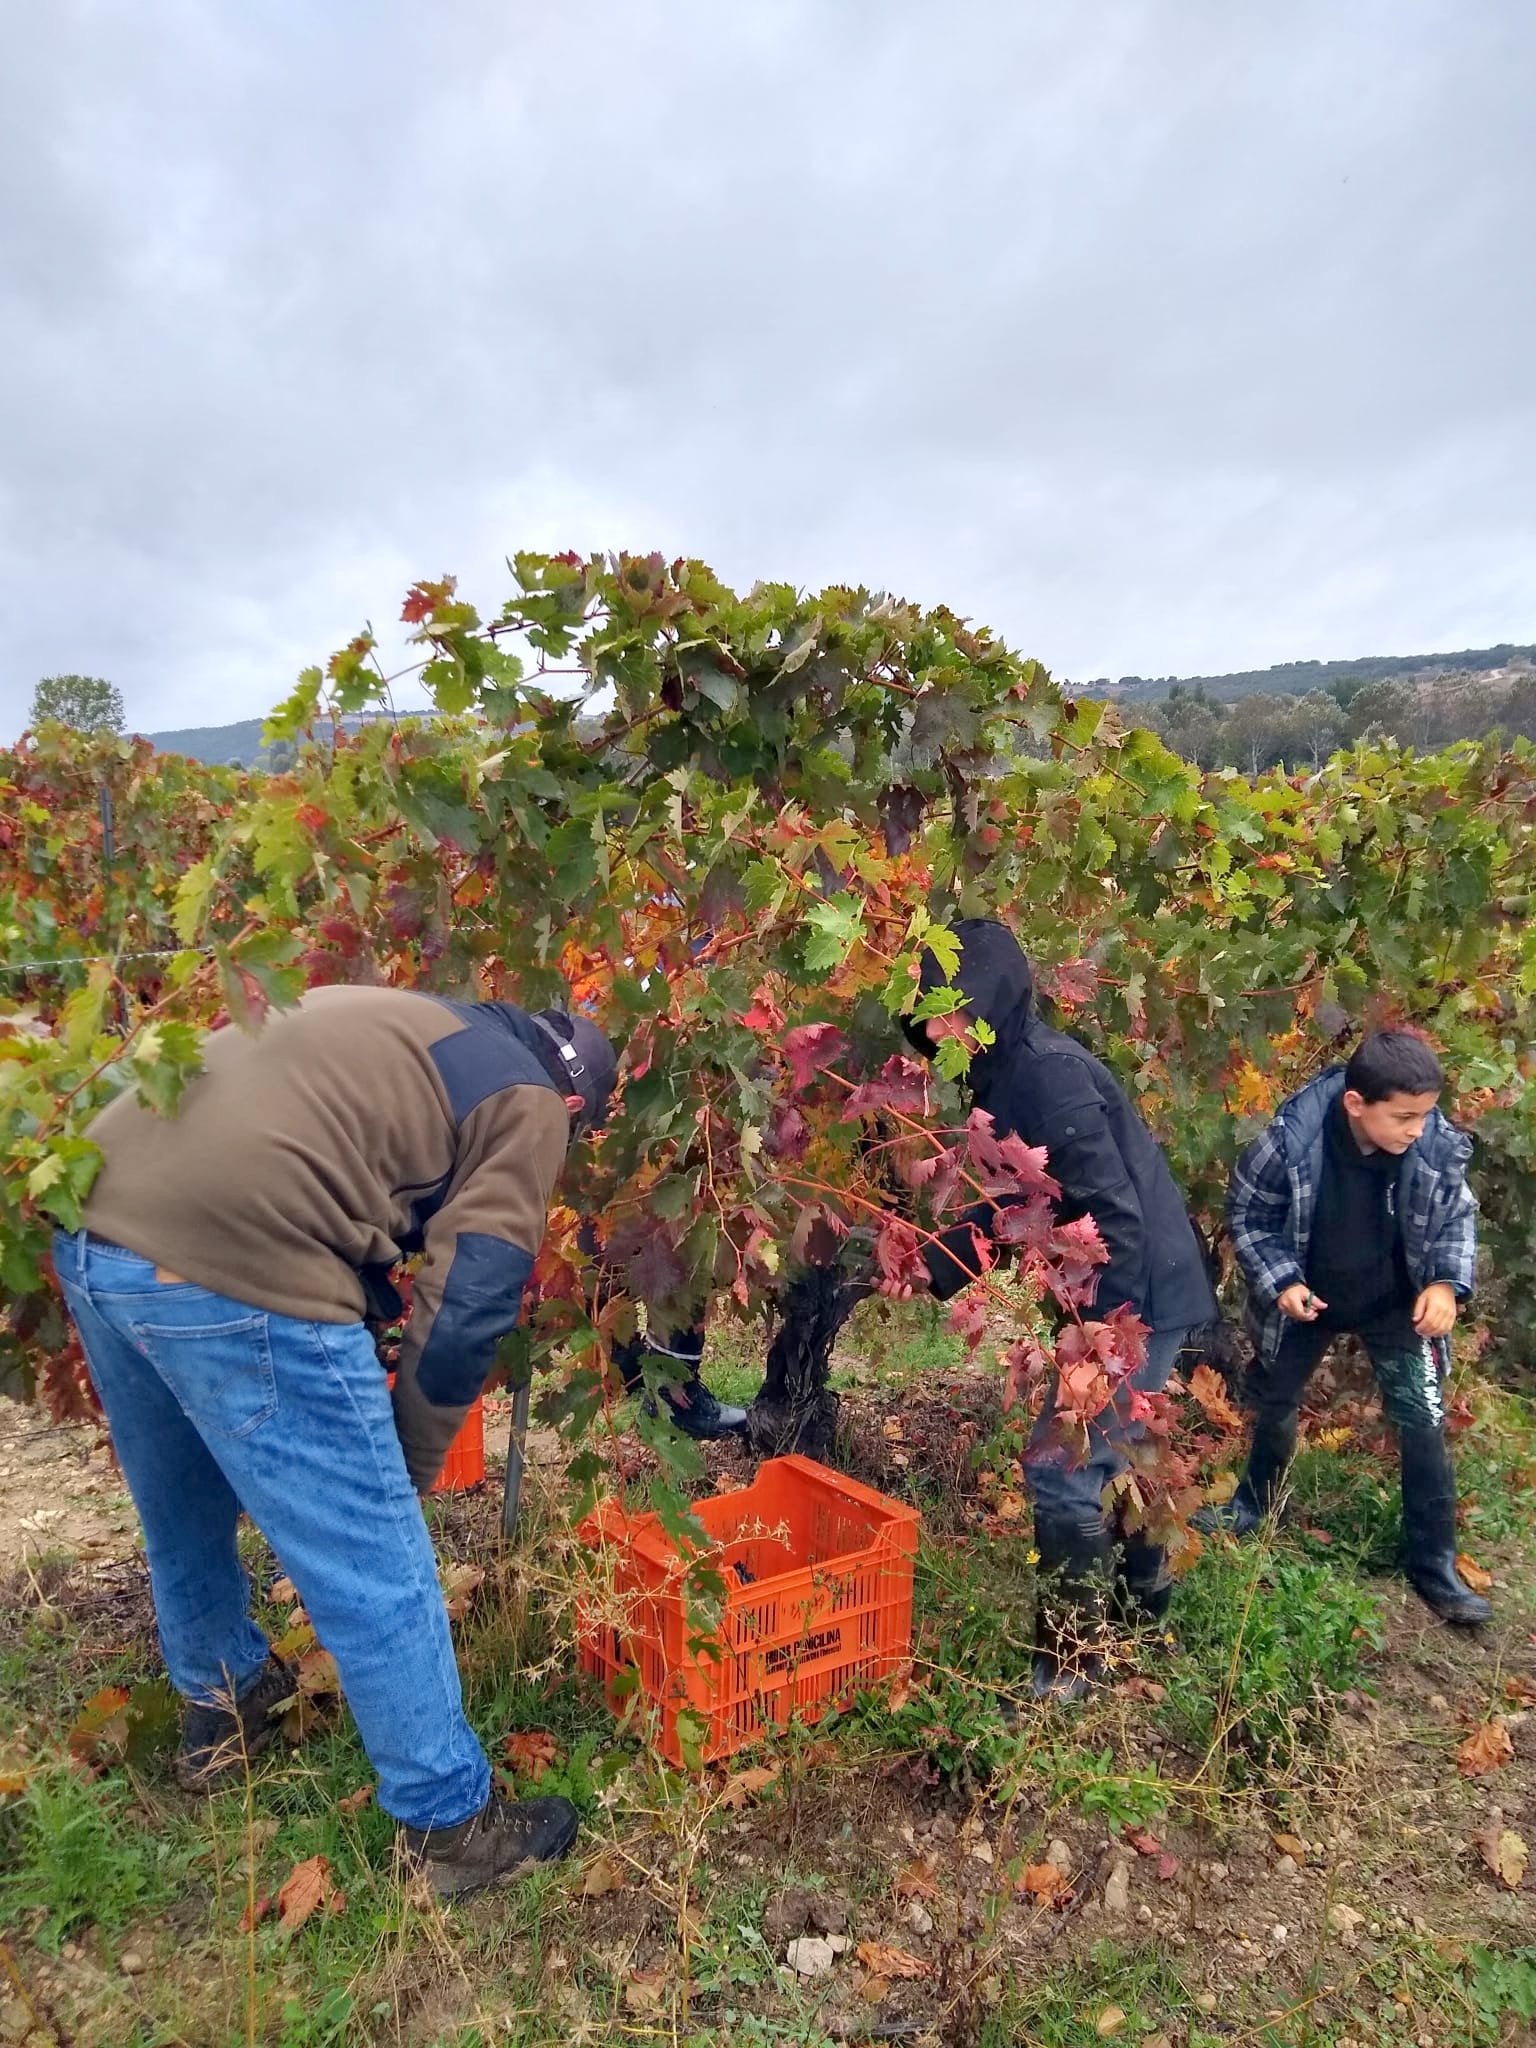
(590, 1063)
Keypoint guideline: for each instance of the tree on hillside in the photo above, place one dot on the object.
(87, 703)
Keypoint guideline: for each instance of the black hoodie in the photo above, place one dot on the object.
(1053, 1092)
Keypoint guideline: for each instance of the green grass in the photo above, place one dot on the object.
(122, 1861)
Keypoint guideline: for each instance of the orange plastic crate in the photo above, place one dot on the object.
(464, 1466)
(826, 1608)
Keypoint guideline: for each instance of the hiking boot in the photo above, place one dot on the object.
(1072, 1581)
(693, 1409)
(503, 1841)
(1429, 1529)
(218, 1742)
(1269, 1459)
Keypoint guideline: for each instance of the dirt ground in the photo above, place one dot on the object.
(1333, 1909)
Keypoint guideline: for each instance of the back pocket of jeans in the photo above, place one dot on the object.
(220, 1373)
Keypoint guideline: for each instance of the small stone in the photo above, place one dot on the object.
(1438, 1703)
(1287, 1866)
(1144, 1913)
(1218, 1871)
(1279, 1933)
(919, 1919)
(982, 1851)
(1346, 1923)
(811, 1956)
(1059, 1856)
(839, 1943)
(130, 1962)
(1206, 2001)
(1117, 1892)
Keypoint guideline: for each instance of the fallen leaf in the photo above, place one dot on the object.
(1112, 2018)
(318, 1676)
(881, 1961)
(256, 1911)
(1318, 1535)
(1520, 1691)
(872, 1988)
(306, 1889)
(354, 1802)
(1140, 1688)
(603, 1875)
(12, 1783)
(1209, 1391)
(282, 1592)
(461, 1582)
(741, 1786)
(1291, 1845)
(292, 1646)
(1485, 1749)
(646, 1991)
(1043, 1881)
(1505, 1855)
(100, 1729)
(531, 1751)
(1471, 1573)
(1011, 1507)
(1141, 1841)
(917, 1881)
(1332, 1439)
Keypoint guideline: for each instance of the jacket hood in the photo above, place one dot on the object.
(994, 975)
(1440, 1145)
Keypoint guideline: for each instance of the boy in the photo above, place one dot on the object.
(1053, 1092)
(1352, 1213)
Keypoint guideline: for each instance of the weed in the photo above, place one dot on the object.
(1095, 1782)
(1264, 1641)
(76, 1857)
(1354, 1500)
(1502, 1986)
(1064, 2007)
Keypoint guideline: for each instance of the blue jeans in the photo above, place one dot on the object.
(1060, 1488)
(215, 1406)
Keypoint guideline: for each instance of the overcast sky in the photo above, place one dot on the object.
(1166, 336)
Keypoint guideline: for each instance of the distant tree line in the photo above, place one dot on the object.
(1271, 730)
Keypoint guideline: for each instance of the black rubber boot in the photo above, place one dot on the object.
(503, 1841)
(1269, 1458)
(1143, 1585)
(1429, 1529)
(217, 1743)
(1072, 1580)
(695, 1411)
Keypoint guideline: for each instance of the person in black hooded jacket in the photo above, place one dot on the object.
(1051, 1091)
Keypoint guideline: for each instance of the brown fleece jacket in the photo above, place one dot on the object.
(362, 1125)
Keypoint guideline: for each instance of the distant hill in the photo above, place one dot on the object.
(241, 742)
(216, 743)
(1296, 678)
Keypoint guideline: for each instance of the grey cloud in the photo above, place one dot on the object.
(1162, 334)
